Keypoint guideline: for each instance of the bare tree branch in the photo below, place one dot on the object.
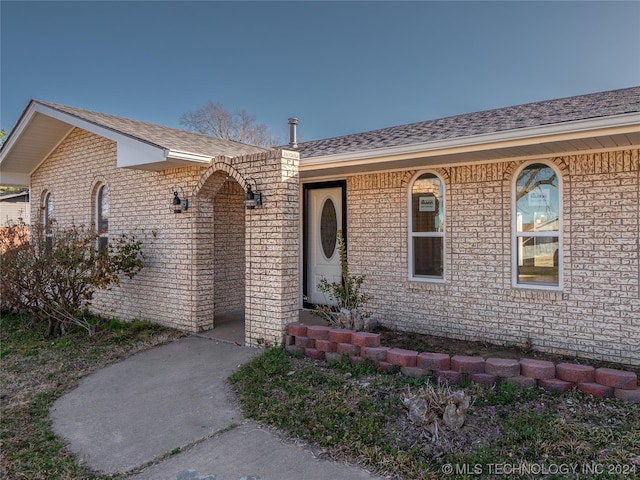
(214, 120)
(530, 185)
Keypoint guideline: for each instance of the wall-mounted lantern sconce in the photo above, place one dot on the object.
(179, 205)
(252, 199)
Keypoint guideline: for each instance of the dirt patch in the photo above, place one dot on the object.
(505, 425)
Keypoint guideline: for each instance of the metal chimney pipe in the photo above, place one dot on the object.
(293, 124)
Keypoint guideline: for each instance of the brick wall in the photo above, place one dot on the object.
(272, 247)
(195, 262)
(139, 203)
(229, 248)
(595, 315)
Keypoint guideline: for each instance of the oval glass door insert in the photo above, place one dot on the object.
(328, 228)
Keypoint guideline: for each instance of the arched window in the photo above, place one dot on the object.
(102, 217)
(426, 228)
(537, 251)
(47, 218)
(47, 213)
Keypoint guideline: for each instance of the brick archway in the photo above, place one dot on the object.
(271, 241)
(207, 189)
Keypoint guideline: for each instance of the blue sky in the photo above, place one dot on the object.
(340, 67)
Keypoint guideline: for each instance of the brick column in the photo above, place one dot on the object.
(272, 243)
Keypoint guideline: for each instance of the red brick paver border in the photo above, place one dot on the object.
(595, 389)
(330, 344)
(617, 378)
(449, 376)
(485, 379)
(314, 353)
(502, 367)
(571, 372)
(348, 349)
(305, 342)
(402, 357)
(538, 369)
(364, 339)
(318, 332)
(466, 364)
(375, 353)
(555, 385)
(434, 361)
(326, 345)
(521, 381)
(339, 335)
(632, 396)
(297, 329)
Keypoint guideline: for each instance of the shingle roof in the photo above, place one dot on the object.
(165, 137)
(583, 107)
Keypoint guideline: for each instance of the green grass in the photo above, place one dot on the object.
(36, 371)
(357, 414)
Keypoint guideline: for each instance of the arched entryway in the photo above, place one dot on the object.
(245, 258)
(219, 253)
(229, 262)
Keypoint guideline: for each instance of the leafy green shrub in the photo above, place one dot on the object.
(53, 277)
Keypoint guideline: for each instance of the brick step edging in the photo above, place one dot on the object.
(330, 343)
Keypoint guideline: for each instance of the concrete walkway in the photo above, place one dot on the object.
(129, 417)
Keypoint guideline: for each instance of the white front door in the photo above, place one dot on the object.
(323, 258)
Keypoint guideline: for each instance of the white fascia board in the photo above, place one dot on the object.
(509, 138)
(8, 144)
(189, 156)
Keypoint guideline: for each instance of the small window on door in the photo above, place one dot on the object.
(426, 228)
(328, 228)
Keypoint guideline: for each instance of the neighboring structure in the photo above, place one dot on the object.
(14, 207)
(515, 226)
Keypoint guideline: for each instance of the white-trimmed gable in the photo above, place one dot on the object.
(42, 127)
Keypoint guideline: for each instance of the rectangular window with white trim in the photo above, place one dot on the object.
(426, 228)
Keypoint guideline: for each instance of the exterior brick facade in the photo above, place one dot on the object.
(199, 263)
(218, 256)
(139, 203)
(595, 315)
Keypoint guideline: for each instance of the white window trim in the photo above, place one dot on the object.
(515, 236)
(411, 235)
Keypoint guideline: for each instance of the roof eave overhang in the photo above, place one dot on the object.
(16, 167)
(452, 151)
